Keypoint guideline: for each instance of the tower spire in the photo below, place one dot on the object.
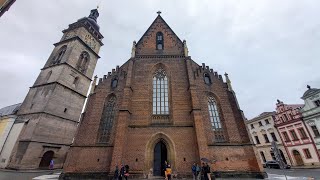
(94, 14)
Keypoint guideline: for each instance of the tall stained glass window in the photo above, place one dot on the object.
(107, 120)
(160, 93)
(214, 114)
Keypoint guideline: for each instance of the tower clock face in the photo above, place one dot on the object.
(91, 42)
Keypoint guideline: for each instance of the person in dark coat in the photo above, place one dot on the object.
(116, 173)
(194, 171)
(122, 170)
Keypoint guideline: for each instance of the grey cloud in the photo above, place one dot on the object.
(269, 48)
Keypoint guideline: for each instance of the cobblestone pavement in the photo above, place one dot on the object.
(274, 174)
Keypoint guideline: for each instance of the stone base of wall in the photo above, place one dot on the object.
(240, 174)
(108, 176)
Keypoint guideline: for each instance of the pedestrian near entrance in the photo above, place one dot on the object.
(198, 169)
(116, 173)
(121, 175)
(206, 171)
(51, 164)
(194, 171)
(168, 172)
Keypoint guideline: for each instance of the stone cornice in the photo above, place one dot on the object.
(65, 63)
(56, 82)
(81, 41)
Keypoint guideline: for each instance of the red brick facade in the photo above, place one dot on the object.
(186, 132)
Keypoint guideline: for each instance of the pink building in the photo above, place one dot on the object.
(295, 136)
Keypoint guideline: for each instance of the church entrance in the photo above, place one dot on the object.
(160, 156)
(45, 160)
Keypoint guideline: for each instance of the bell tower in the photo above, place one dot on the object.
(53, 105)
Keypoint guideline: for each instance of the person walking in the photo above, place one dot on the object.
(205, 171)
(194, 171)
(126, 172)
(51, 164)
(208, 171)
(198, 172)
(121, 175)
(168, 172)
(116, 173)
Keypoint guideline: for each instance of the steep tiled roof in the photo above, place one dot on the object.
(9, 110)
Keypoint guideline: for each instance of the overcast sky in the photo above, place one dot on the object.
(269, 48)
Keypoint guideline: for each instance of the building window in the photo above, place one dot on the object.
(114, 83)
(257, 139)
(57, 58)
(303, 133)
(76, 81)
(272, 155)
(266, 138)
(317, 102)
(294, 135)
(267, 121)
(159, 41)
(48, 76)
(263, 157)
(286, 137)
(285, 117)
(307, 153)
(252, 127)
(315, 131)
(160, 93)
(83, 62)
(214, 114)
(260, 123)
(274, 137)
(207, 79)
(107, 120)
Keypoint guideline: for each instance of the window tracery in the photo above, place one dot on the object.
(107, 120)
(160, 93)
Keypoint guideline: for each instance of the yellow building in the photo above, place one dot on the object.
(10, 129)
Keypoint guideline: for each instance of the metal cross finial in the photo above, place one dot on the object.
(159, 12)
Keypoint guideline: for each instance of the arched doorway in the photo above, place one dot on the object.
(297, 157)
(282, 156)
(45, 160)
(160, 156)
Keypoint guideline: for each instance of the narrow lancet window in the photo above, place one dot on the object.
(107, 120)
(57, 58)
(160, 93)
(215, 120)
(159, 41)
(83, 62)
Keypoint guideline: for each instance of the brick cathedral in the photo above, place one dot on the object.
(158, 106)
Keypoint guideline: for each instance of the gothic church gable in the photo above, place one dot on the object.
(159, 39)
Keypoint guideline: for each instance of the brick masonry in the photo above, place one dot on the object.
(187, 132)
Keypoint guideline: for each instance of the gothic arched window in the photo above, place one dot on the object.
(48, 76)
(57, 58)
(207, 79)
(214, 114)
(107, 120)
(160, 93)
(114, 83)
(159, 40)
(215, 120)
(83, 61)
